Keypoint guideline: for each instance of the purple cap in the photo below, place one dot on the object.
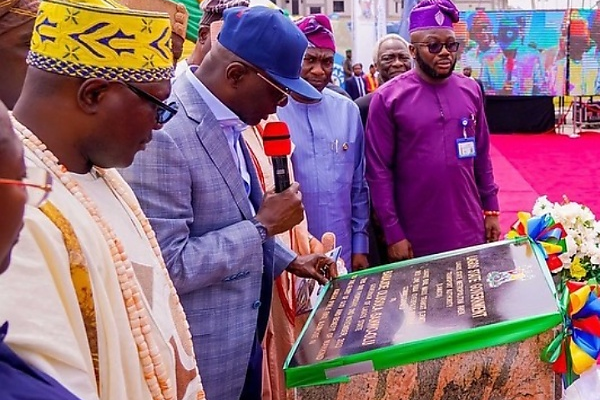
(317, 29)
(432, 14)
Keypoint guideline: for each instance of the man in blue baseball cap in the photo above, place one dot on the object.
(197, 183)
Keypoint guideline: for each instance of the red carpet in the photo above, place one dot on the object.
(526, 166)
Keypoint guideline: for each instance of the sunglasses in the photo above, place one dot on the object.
(38, 184)
(436, 47)
(284, 92)
(164, 112)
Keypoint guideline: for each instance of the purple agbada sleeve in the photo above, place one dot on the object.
(380, 151)
(484, 176)
(360, 196)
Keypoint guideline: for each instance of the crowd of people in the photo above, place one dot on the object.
(145, 253)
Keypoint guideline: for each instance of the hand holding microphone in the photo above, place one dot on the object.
(281, 210)
(278, 146)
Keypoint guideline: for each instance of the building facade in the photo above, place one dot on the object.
(342, 9)
(363, 38)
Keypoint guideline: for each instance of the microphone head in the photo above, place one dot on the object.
(276, 139)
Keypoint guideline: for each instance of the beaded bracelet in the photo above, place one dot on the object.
(491, 213)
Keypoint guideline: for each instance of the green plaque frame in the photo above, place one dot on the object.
(507, 290)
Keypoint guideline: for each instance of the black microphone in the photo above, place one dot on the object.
(278, 146)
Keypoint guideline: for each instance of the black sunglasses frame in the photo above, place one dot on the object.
(164, 112)
(436, 47)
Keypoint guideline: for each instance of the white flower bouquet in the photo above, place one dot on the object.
(581, 258)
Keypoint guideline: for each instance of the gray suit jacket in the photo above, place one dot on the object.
(191, 190)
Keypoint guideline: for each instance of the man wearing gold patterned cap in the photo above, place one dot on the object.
(102, 316)
(16, 26)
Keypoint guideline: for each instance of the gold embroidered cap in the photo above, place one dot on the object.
(101, 39)
(177, 12)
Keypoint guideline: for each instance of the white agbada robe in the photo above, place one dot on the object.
(37, 296)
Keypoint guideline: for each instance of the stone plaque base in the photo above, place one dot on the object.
(508, 372)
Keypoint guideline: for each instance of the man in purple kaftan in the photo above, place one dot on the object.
(427, 148)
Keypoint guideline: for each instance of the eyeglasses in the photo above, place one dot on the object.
(436, 47)
(164, 112)
(38, 184)
(284, 92)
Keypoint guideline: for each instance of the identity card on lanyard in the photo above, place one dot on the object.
(465, 146)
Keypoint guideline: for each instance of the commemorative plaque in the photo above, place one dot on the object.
(424, 309)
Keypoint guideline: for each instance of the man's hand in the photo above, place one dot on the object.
(359, 262)
(492, 228)
(280, 212)
(315, 266)
(401, 250)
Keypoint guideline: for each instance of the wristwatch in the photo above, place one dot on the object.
(262, 231)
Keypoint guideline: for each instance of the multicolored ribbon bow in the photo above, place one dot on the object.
(547, 236)
(577, 347)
